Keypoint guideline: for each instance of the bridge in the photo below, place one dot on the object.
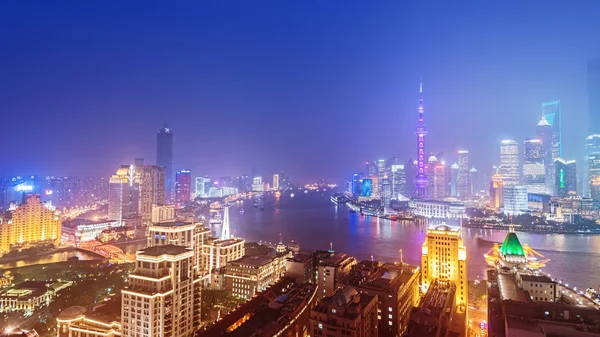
(108, 251)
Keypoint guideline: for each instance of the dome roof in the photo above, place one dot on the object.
(512, 245)
(433, 159)
(72, 312)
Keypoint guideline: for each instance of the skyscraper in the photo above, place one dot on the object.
(592, 149)
(543, 132)
(124, 194)
(593, 86)
(276, 182)
(463, 187)
(435, 174)
(398, 180)
(594, 176)
(421, 179)
(566, 177)
(534, 170)
(164, 157)
(497, 192)
(356, 184)
(515, 200)
(474, 178)
(183, 187)
(201, 190)
(454, 168)
(509, 162)
(151, 180)
(552, 113)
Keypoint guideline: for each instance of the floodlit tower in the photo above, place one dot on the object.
(421, 131)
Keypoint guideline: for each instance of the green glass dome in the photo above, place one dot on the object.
(512, 245)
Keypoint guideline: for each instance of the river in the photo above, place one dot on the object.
(314, 221)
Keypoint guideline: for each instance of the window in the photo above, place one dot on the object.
(390, 309)
(320, 325)
(333, 311)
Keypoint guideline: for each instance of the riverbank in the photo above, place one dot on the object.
(535, 230)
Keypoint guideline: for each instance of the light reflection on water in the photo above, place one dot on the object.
(52, 258)
(314, 221)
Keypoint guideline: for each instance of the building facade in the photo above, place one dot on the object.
(534, 169)
(248, 275)
(331, 268)
(345, 313)
(164, 158)
(159, 300)
(593, 86)
(123, 194)
(444, 259)
(509, 162)
(590, 173)
(463, 187)
(438, 209)
(553, 114)
(183, 187)
(497, 193)
(515, 200)
(31, 223)
(566, 177)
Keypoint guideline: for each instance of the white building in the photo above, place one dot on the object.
(515, 200)
(163, 213)
(257, 184)
(159, 300)
(201, 190)
(438, 209)
(509, 162)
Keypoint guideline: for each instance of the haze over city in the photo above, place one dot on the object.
(311, 88)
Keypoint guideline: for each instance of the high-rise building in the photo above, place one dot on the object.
(124, 194)
(509, 162)
(566, 177)
(257, 184)
(444, 258)
(372, 168)
(552, 113)
(183, 187)
(356, 184)
(398, 180)
(276, 182)
(543, 132)
(381, 171)
(164, 157)
(151, 180)
(435, 174)
(463, 183)
(454, 169)
(31, 223)
(386, 191)
(201, 187)
(592, 149)
(474, 179)
(534, 170)
(594, 176)
(159, 300)
(345, 312)
(411, 170)
(421, 179)
(515, 200)
(332, 267)
(497, 192)
(593, 86)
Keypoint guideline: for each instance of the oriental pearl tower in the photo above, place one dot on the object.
(421, 179)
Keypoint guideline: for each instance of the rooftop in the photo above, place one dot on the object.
(164, 250)
(511, 245)
(536, 278)
(171, 224)
(253, 260)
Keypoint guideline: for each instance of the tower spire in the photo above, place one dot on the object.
(225, 234)
(421, 179)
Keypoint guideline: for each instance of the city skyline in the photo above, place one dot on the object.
(250, 86)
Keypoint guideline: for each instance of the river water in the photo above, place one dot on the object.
(314, 221)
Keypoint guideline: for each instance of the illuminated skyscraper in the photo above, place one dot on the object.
(566, 177)
(183, 187)
(552, 113)
(593, 86)
(435, 174)
(421, 179)
(276, 182)
(164, 157)
(594, 176)
(543, 132)
(592, 149)
(386, 191)
(534, 170)
(201, 187)
(381, 172)
(454, 168)
(463, 183)
(497, 192)
(124, 194)
(356, 184)
(474, 178)
(515, 200)
(398, 180)
(444, 258)
(509, 162)
(151, 180)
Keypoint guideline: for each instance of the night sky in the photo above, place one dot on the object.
(313, 88)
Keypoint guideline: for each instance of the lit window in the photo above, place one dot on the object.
(390, 309)
(390, 323)
(333, 311)
(320, 325)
